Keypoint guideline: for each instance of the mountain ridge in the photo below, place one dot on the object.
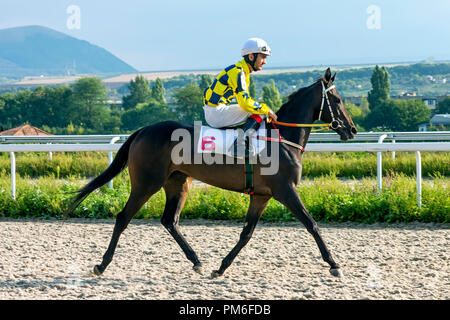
(38, 50)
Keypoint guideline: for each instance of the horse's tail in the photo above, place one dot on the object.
(119, 163)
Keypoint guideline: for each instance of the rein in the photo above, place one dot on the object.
(281, 140)
(326, 126)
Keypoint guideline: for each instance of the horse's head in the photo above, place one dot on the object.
(332, 109)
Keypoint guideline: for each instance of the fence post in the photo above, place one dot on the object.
(393, 152)
(13, 175)
(379, 163)
(419, 178)
(50, 154)
(110, 160)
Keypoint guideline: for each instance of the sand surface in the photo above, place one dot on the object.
(49, 259)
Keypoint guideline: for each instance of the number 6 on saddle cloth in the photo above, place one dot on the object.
(219, 141)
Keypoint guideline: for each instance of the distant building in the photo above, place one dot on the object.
(25, 130)
(440, 119)
(430, 101)
(423, 127)
(436, 120)
(116, 103)
(353, 100)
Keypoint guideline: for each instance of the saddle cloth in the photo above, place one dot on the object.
(219, 141)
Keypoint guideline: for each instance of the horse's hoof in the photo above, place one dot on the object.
(336, 272)
(97, 271)
(215, 274)
(198, 269)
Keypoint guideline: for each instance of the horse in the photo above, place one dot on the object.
(147, 153)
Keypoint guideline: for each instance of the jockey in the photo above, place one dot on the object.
(233, 82)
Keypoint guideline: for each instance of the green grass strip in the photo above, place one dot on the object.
(326, 198)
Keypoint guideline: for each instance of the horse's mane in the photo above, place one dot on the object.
(293, 96)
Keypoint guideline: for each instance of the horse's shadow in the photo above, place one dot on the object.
(62, 283)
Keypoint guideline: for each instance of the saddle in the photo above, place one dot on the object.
(219, 141)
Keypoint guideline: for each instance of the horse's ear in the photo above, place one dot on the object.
(333, 77)
(327, 75)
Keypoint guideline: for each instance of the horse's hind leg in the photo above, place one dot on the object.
(177, 188)
(134, 204)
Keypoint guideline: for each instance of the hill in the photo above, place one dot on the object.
(37, 50)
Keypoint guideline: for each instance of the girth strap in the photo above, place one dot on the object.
(248, 176)
(248, 173)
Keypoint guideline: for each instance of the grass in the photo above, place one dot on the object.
(364, 164)
(327, 198)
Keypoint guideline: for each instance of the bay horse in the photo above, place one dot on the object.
(147, 152)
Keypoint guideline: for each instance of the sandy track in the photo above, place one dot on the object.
(52, 260)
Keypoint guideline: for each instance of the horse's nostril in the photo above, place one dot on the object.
(353, 130)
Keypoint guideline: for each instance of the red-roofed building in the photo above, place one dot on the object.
(25, 130)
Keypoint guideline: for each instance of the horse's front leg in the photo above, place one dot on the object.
(256, 208)
(292, 201)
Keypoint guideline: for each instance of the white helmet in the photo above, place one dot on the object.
(255, 45)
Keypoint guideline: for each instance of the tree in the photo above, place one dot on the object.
(38, 109)
(145, 114)
(114, 122)
(44, 106)
(48, 106)
(252, 87)
(2, 117)
(380, 87)
(364, 106)
(205, 82)
(378, 97)
(14, 108)
(139, 92)
(271, 96)
(158, 91)
(411, 114)
(399, 115)
(189, 103)
(60, 98)
(355, 112)
(381, 117)
(444, 106)
(88, 103)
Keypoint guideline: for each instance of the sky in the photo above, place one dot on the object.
(157, 35)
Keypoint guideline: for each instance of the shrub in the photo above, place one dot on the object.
(326, 198)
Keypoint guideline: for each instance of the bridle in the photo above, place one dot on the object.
(335, 123)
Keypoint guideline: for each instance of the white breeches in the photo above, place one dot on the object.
(225, 115)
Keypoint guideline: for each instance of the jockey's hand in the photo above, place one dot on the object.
(272, 115)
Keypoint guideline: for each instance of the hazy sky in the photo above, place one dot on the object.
(179, 34)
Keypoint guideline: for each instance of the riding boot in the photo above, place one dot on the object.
(241, 147)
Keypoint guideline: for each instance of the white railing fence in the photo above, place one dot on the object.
(314, 137)
(311, 147)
